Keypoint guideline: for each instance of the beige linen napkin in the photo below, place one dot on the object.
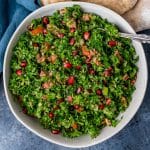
(136, 12)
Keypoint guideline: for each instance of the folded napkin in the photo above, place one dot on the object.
(12, 12)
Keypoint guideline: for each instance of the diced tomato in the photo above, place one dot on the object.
(86, 35)
(37, 30)
(69, 99)
(74, 126)
(72, 30)
(108, 101)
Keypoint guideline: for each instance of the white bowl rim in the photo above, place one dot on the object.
(5, 86)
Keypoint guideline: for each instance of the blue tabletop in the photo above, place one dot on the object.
(135, 136)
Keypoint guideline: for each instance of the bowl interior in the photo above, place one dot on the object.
(107, 132)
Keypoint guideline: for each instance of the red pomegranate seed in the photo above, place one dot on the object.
(112, 43)
(76, 106)
(78, 67)
(51, 115)
(79, 90)
(101, 106)
(60, 35)
(71, 80)
(72, 30)
(69, 99)
(19, 72)
(72, 41)
(45, 20)
(99, 92)
(23, 64)
(67, 65)
(86, 35)
(108, 101)
(44, 31)
(75, 53)
(91, 71)
(55, 131)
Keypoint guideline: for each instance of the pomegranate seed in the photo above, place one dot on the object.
(91, 71)
(78, 67)
(72, 41)
(76, 106)
(24, 110)
(112, 43)
(60, 101)
(60, 35)
(35, 45)
(72, 30)
(99, 92)
(79, 90)
(86, 35)
(55, 131)
(71, 80)
(51, 115)
(23, 64)
(44, 31)
(75, 53)
(69, 99)
(101, 106)
(108, 101)
(45, 20)
(19, 72)
(67, 65)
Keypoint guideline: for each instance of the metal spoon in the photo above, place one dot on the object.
(143, 38)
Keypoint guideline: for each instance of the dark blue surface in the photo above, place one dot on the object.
(135, 136)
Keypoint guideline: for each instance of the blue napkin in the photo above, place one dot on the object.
(12, 12)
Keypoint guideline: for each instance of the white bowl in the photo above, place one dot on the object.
(107, 132)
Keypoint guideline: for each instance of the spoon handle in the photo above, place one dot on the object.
(143, 38)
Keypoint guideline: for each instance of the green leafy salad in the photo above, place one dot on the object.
(73, 72)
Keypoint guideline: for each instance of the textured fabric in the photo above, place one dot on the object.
(12, 12)
(135, 136)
